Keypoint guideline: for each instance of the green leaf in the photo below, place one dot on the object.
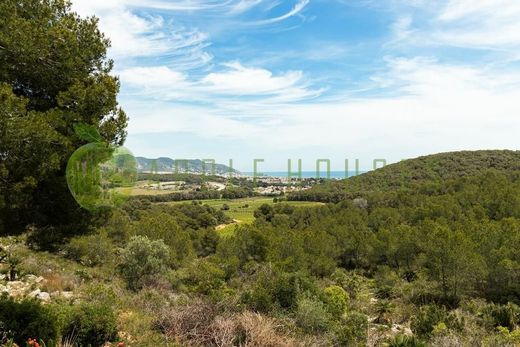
(87, 132)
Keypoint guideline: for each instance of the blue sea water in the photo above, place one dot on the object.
(307, 174)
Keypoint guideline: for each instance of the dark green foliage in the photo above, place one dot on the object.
(423, 173)
(265, 212)
(158, 225)
(91, 324)
(54, 73)
(143, 261)
(203, 194)
(507, 316)
(277, 290)
(28, 318)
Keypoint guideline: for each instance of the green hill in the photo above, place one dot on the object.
(416, 172)
(165, 164)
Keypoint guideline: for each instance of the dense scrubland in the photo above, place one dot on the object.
(423, 252)
(436, 264)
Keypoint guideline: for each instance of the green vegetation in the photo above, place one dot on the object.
(421, 172)
(423, 252)
(180, 165)
(54, 73)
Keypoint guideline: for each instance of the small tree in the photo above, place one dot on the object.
(143, 260)
(336, 300)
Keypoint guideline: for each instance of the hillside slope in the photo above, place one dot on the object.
(414, 172)
(164, 164)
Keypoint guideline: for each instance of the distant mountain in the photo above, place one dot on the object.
(412, 173)
(195, 166)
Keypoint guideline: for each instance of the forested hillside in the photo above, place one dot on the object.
(431, 169)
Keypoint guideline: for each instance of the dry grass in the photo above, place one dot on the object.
(203, 324)
(58, 282)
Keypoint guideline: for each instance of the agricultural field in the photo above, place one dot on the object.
(242, 210)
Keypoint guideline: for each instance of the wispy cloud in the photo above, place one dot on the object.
(441, 107)
(391, 78)
(298, 7)
(477, 24)
(234, 82)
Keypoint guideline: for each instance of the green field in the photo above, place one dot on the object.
(242, 210)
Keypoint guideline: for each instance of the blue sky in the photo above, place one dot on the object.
(310, 79)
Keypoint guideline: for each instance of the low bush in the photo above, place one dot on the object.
(202, 277)
(275, 289)
(507, 316)
(430, 316)
(143, 261)
(312, 315)
(404, 341)
(336, 300)
(91, 325)
(90, 250)
(28, 318)
(352, 330)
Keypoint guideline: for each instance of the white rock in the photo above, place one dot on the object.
(44, 296)
(17, 289)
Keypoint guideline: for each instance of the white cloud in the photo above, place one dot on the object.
(239, 80)
(481, 24)
(235, 81)
(135, 36)
(298, 7)
(152, 77)
(440, 108)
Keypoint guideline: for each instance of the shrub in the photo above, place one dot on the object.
(352, 330)
(336, 300)
(158, 225)
(312, 315)
(118, 227)
(91, 324)
(278, 290)
(28, 318)
(142, 261)
(351, 282)
(91, 250)
(404, 341)
(203, 277)
(507, 316)
(205, 241)
(430, 316)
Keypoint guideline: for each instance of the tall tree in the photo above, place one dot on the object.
(54, 73)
